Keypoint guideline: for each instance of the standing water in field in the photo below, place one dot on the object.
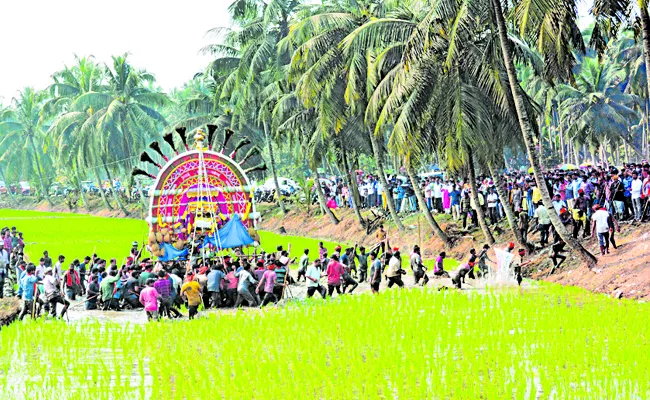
(502, 274)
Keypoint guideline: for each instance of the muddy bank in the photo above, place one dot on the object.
(95, 207)
(624, 272)
(9, 310)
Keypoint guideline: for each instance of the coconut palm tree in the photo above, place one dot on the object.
(22, 133)
(599, 92)
(526, 124)
(122, 117)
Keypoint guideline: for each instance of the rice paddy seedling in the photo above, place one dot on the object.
(547, 342)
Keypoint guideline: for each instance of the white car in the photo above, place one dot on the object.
(286, 185)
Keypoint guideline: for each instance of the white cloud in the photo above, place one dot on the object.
(40, 36)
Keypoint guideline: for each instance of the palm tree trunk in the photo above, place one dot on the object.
(101, 190)
(422, 203)
(354, 188)
(377, 151)
(38, 169)
(562, 149)
(498, 183)
(80, 189)
(273, 171)
(7, 186)
(540, 142)
(115, 194)
(645, 30)
(528, 135)
(479, 210)
(322, 201)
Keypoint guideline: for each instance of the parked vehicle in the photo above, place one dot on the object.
(286, 185)
(89, 187)
(25, 188)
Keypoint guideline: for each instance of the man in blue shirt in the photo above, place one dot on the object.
(215, 276)
(27, 283)
(627, 202)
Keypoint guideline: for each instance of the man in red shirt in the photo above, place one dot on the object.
(334, 272)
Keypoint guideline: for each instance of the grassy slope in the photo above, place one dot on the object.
(77, 235)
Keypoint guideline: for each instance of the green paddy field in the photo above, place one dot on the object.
(546, 342)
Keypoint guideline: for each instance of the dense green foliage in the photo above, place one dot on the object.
(317, 78)
(549, 341)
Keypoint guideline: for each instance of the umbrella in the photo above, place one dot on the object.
(568, 167)
(585, 165)
(530, 170)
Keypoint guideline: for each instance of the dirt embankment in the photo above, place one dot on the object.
(95, 207)
(9, 310)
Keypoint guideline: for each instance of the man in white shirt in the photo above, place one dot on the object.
(492, 199)
(558, 203)
(313, 280)
(601, 226)
(635, 190)
(372, 199)
(543, 223)
(57, 267)
(4, 254)
(437, 195)
(40, 269)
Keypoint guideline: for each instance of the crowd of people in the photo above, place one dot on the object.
(590, 202)
(578, 195)
(235, 280)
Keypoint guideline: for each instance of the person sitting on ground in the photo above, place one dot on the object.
(149, 298)
(419, 270)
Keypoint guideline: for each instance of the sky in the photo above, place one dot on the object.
(39, 37)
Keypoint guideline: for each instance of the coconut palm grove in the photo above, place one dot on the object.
(384, 199)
